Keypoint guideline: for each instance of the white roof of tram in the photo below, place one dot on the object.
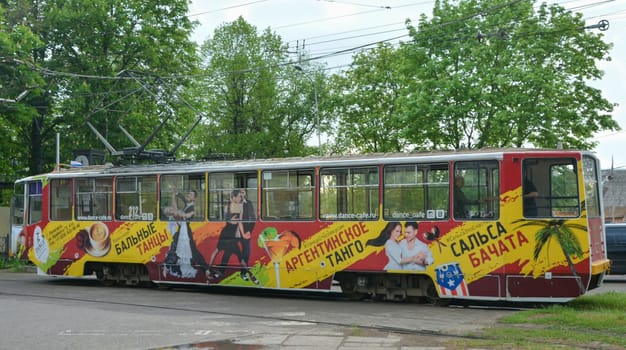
(178, 167)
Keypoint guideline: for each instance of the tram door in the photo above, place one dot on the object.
(17, 237)
(27, 205)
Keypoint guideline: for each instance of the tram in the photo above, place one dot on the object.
(493, 224)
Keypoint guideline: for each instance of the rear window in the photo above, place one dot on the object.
(616, 234)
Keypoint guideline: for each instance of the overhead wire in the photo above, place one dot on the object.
(309, 43)
(342, 50)
(355, 37)
(325, 19)
(354, 3)
(323, 55)
(354, 30)
(226, 8)
(611, 15)
(588, 6)
(497, 7)
(478, 13)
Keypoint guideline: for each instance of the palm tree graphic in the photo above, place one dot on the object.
(564, 234)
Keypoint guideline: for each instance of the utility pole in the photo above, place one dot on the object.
(317, 112)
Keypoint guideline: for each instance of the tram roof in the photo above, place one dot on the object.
(296, 162)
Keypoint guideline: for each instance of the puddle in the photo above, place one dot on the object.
(214, 345)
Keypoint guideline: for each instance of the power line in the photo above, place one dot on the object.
(611, 15)
(588, 6)
(355, 4)
(481, 12)
(327, 54)
(473, 35)
(354, 14)
(354, 30)
(308, 43)
(378, 8)
(226, 8)
(439, 25)
(328, 19)
(355, 37)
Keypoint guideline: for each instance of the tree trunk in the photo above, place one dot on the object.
(36, 149)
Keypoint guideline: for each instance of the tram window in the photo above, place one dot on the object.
(564, 201)
(476, 190)
(180, 192)
(17, 202)
(94, 198)
(592, 186)
(416, 192)
(221, 188)
(61, 199)
(34, 202)
(288, 195)
(556, 182)
(349, 194)
(136, 198)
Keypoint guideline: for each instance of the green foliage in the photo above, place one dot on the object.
(85, 44)
(106, 38)
(365, 98)
(498, 73)
(16, 77)
(12, 264)
(252, 107)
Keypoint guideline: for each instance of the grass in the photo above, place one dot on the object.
(12, 264)
(597, 322)
(355, 331)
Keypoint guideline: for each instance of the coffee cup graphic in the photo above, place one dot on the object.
(99, 242)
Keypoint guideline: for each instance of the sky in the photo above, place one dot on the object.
(324, 27)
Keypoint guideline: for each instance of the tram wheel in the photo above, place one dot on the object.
(101, 276)
(431, 297)
(108, 282)
(355, 296)
(348, 288)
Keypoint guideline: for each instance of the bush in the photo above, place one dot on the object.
(13, 264)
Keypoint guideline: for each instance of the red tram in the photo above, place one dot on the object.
(503, 224)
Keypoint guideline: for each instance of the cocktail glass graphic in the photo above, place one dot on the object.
(277, 245)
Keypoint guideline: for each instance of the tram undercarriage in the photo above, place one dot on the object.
(385, 286)
(354, 285)
(112, 273)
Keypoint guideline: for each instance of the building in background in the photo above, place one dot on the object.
(614, 195)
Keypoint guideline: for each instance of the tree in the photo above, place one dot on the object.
(497, 73)
(365, 99)
(19, 86)
(86, 45)
(248, 92)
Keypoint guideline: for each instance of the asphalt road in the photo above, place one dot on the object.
(40, 312)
